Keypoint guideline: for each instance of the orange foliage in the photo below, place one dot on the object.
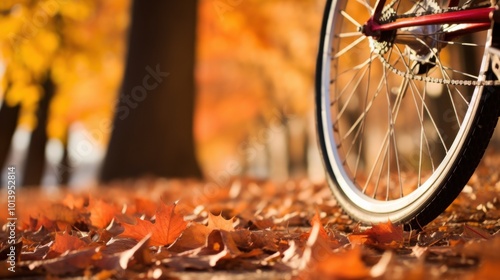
(167, 228)
(255, 58)
(77, 44)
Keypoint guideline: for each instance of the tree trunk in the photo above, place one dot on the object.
(8, 124)
(64, 169)
(153, 124)
(34, 165)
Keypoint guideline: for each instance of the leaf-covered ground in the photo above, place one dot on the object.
(158, 229)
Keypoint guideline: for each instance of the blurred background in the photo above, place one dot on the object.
(63, 63)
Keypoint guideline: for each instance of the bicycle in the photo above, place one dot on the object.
(402, 125)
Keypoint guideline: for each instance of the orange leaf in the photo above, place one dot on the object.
(101, 213)
(385, 234)
(65, 242)
(145, 206)
(317, 220)
(345, 265)
(322, 233)
(218, 222)
(167, 228)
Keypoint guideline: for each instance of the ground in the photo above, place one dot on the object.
(242, 229)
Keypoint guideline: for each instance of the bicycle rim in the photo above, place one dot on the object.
(399, 142)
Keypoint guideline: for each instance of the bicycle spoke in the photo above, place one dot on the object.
(351, 19)
(349, 34)
(366, 5)
(352, 92)
(350, 46)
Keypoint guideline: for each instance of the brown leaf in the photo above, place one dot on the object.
(120, 261)
(224, 240)
(74, 261)
(219, 223)
(166, 229)
(266, 240)
(66, 242)
(385, 235)
(475, 233)
(323, 235)
(195, 236)
(263, 224)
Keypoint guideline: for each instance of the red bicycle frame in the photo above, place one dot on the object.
(472, 20)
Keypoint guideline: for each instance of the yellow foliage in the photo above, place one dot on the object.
(24, 94)
(17, 73)
(79, 44)
(8, 25)
(77, 10)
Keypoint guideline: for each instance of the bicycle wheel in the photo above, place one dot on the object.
(402, 123)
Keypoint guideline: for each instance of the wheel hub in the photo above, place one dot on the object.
(422, 43)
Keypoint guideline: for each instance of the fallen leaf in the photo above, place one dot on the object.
(475, 233)
(266, 239)
(195, 236)
(219, 223)
(73, 202)
(72, 262)
(345, 265)
(145, 206)
(316, 220)
(383, 235)
(331, 241)
(101, 212)
(220, 240)
(120, 261)
(167, 228)
(66, 242)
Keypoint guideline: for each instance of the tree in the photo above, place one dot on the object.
(34, 165)
(153, 124)
(8, 124)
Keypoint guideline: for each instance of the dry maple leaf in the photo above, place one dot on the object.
(73, 262)
(101, 213)
(386, 235)
(475, 233)
(65, 242)
(166, 229)
(145, 206)
(316, 220)
(218, 222)
(195, 236)
(120, 260)
(320, 261)
(330, 242)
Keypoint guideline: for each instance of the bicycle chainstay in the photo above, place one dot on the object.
(389, 15)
